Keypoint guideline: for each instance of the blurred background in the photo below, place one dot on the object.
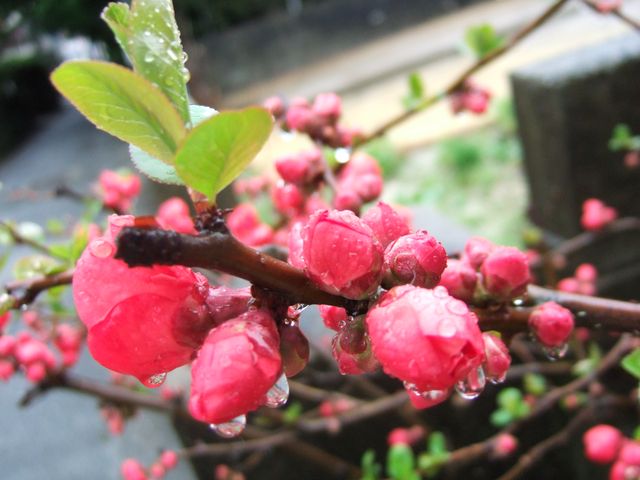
(521, 170)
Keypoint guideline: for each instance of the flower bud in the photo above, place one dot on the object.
(301, 168)
(347, 199)
(333, 317)
(4, 319)
(405, 436)
(237, 365)
(417, 258)
(504, 445)
(300, 118)
(496, 358)
(328, 106)
(476, 250)
(341, 254)
(602, 443)
(630, 452)
(169, 459)
(551, 324)
(425, 337)
(118, 189)
(505, 273)
(387, 224)
(131, 469)
(460, 280)
(596, 215)
(173, 214)
(6, 370)
(275, 105)
(586, 272)
(138, 318)
(245, 224)
(287, 198)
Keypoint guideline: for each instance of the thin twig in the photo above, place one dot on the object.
(617, 13)
(32, 287)
(18, 238)
(459, 81)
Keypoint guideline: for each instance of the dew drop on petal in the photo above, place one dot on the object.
(556, 353)
(101, 248)
(232, 428)
(154, 381)
(278, 394)
(472, 385)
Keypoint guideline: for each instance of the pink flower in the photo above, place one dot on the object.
(118, 189)
(296, 246)
(328, 106)
(347, 199)
(630, 452)
(586, 272)
(608, 6)
(300, 118)
(237, 365)
(336, 406)
(287, 198)
(301, 168)
(602, 443)
(505, 444)
(6, 369)
(341, 255)
(362, 175)
(505, 273)
(569, 285)
(245, 224)
(417, 258)
(173, 214)
(596, 215)
(460, 280)
(497, 358)
(333, 317)
(169, 459)
(387, 224)
(141, 321)
(4, 319)
(131, 469)
(552, 324)
(405, 436)
(476, 250)
(275, 105)
(425, 337)
(7, 344)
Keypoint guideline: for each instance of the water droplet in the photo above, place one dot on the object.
(286, 136)
(101, 248)
(278, 394)
(232, 428)
(185, 57)
(155, 381)
(185, 74)
(556, 353)
(148, 57)
(498, 380)
(518, 302)
(342, 154)
(472, 385)
(426, 394)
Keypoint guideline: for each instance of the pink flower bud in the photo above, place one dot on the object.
(347, 199)
(630, 452)
(569, 285)
(632, 159)
(138, 318)
(608, 6)
(328, 106)
(476, 250)
(294, 349)
(333, 317)
(336, 406)
(68, 337)
(118, 190)
(602, 443)
(405, 436)
(505, 444)
(244, 223)
(225, 303)
(169, 459)
(300, 118)
(460, 280)
(552, 324)
(4, 319)
(497, 358)
(7, 344)
(596, 215)
(505, 273)
(36, 372)
(6, 369)
(275, 105)
(173, 214)
(341, 254)
(131, 469)
(387, 224)
(287, 198)
(425, 337)
(157, 471)
(619, 471)
(417, 258)
(237, 365)
(586, 272)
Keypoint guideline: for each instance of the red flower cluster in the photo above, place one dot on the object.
(583, 280)
(472, 98)
(605, 444)
(132, 469)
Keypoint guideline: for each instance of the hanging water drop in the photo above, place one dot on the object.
(278, 394)
(232, 428)
(185, 74)
(101, 248)
(556, 353)
(185, 57)
(472, 385)
(498, 380)
(154, 381)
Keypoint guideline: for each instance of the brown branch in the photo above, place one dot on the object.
(616, 12)
(32, 287)
(459, 81)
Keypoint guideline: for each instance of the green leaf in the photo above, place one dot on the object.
(631, 363)
(123, 104)
(400, 462)
(218, 150)
(370, 469)
(416, 91)
(157, 170)
(636, 433)
(620, 138)
(482, 40)
(501, 417)
(148, 34)
(437, 443)
(535, 384)
(292, 413)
